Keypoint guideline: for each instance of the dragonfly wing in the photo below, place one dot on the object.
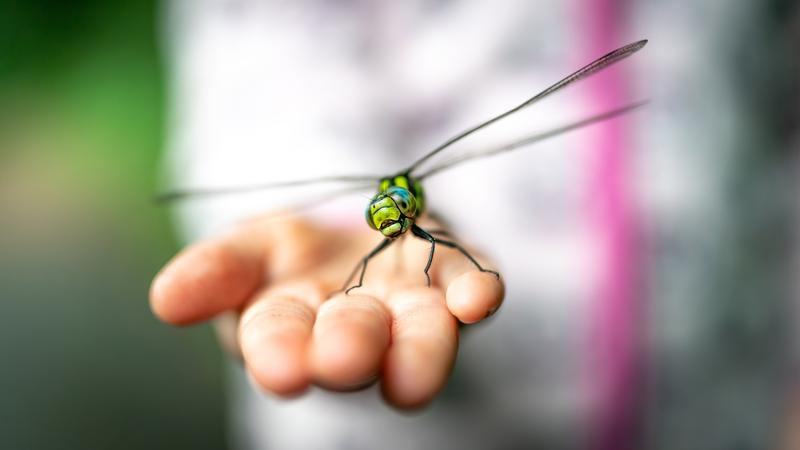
(587, 70)
(314, 201)
(358, 181)
(329, 203)
(529, 140)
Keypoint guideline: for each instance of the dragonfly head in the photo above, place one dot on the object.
(392, 211)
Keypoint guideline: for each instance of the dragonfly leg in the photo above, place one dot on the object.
(464, 252)
(422, 234)
(440, 231)
(363, 264)
(425, 235)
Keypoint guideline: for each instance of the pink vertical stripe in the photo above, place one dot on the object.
(614, 359)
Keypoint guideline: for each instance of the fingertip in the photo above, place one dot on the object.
(274, 337)
(159, 293)
(203, 281)
(286, 387)
(423, 351)
(349, 341)
(407, 385)
(280, 373)
(474, 295)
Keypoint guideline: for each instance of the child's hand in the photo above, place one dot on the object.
(279, 274)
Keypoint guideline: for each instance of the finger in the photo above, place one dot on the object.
(223, 273)
(274, 333)
(474, 296)
(204, 280)
(471, 295)
(350, 338)
(424, 344)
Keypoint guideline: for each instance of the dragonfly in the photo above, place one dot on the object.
(399, 202)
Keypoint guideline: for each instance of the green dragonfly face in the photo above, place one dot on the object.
(392, 211)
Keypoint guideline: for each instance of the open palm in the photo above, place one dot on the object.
(280, 274)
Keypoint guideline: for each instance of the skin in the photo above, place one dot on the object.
(276, 278)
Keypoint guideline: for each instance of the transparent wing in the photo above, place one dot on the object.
(310, 202)
(529, 140)
(313, 201)
(589, 69)
(358, 181)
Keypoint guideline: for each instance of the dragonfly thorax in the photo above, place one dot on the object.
(394, 208)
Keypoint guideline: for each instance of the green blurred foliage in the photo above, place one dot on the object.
(82, 113)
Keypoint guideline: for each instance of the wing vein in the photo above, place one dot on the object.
(531, 139)
(182, 194)
(587, 70)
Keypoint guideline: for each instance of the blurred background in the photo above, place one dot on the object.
(83, 120)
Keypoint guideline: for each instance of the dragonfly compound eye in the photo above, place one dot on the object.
(404, 200)
(391, 212)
